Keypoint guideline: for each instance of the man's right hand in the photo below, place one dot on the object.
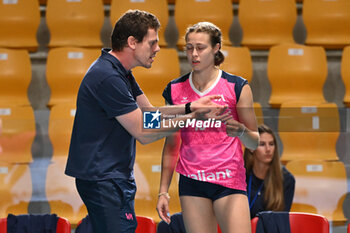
(205, 107)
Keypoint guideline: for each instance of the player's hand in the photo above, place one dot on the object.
(163, 208)
(205, 108)
(206, 101)
(234, 128)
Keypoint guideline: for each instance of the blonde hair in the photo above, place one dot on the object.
(273, 182)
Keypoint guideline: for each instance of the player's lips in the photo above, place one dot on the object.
(195, 62)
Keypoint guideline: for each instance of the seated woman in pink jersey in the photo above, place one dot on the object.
(209, 157)
(270, 185)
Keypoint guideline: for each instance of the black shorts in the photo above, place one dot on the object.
(192, 187)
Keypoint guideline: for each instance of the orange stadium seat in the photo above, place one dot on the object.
(345, 73)
(15, 76)
(165, 67)
(258, 113)
(17, 134)
(296, 72)
(15, 188)
(189, 12)
(75, 23)
(156, 7)
(19, 22)
(318, 123)
(147, 176)
(303, 223)
(62, 194)
(65, 70)
(63, 225)
(267, 23)
(327, 23)
(238, 61)
(60, 129)
(322, 184)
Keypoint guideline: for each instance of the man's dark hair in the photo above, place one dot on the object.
(133, 23)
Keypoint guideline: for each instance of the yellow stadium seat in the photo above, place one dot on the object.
(147, 176)
(309, 130)
(17, 134)
(15, 76)
(60, 129)
(296, 72)
(267, 23)
(165, 67)
(65, 70)
(321, 185)
(62, 194)
(75, 23)
(19, 22)
(258, 113)
(238, 61)
(15, 188)
(157, 7)
(327, 23)
(189, 12)
(345, 73)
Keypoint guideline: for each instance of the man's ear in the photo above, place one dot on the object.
(132, 42)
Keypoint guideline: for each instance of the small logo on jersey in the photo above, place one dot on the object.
(129, 216)
(184, 100)
(221, 99)
(151, 120)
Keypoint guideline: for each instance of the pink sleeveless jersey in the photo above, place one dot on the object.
(208, 154)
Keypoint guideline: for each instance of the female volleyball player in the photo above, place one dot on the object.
(212, 185)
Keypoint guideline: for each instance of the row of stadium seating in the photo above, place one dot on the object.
(108, 2)
(299, 223)
(321, 187)
(144, 224)
(318, 122)
(264, 23)
(295, 72)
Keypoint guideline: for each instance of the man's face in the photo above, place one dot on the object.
(146, 49)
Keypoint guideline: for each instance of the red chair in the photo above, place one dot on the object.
(349, 228)
(145, 225)
(63, 226)
(303, 223)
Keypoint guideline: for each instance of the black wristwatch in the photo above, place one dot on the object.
(188, 108)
